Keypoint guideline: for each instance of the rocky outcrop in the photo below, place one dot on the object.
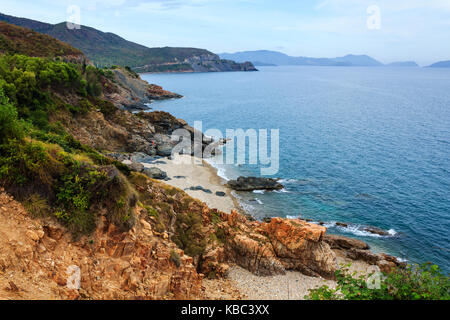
(38, 259)
(252, 183)
(344, 243)
(213, 63)
(375, 230)
(206, 62)
(358, 250)
(272, 248)
(133, 93)
(299, 246)
(155, 92)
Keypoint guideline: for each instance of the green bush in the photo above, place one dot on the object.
(189, 235)
(21, 162)
(425, 282)
(10, 126)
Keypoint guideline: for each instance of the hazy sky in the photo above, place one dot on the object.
(408, 29)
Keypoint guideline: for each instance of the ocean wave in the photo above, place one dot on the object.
(288, 181)
(221, 172)
(259, 191)
(392, 232)
(358, 230)
(284, 190)
(355, 229)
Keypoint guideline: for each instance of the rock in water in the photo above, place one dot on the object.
(375, 230)
(252, 184)
(155, 173)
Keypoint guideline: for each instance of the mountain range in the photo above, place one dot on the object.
(108, 49)
(266, 58)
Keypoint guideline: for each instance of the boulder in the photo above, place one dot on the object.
(136, 166)
(341, 224)
(141, 157)
(375, 230)
(200, 188)
(253, 255)
(253, 183)
(299, 246)
(344, 243)
(363, 255)
(155, 173)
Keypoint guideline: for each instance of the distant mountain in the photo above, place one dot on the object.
(278, 58)
(441, 64)
(107, 49)
(403, 64)
(262, 64)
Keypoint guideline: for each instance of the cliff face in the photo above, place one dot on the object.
(199, 63)
(212, 63)
(36, 257)
(133, 93)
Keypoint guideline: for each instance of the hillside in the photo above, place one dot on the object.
(108, 49)
(15, 39)
(266, 57)
(441, 64)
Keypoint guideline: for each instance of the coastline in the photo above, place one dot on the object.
(239, 283)
(200, 181)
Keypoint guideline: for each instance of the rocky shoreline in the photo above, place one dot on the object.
(169, 241)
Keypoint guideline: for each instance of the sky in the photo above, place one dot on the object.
(388, 30)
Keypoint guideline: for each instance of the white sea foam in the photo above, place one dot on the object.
(287, 181)
(221, 172)
(358, 231)
(281, 191)
(293, 217)
(392, 232)
(259, 191)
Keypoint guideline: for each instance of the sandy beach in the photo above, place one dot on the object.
(198, 179)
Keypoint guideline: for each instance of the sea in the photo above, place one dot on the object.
(364, 146)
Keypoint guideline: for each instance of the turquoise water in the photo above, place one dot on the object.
(365, 146)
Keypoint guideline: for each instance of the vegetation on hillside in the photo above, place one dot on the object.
(107, 49)
(39, 160)
(425, 282)
(15, 39)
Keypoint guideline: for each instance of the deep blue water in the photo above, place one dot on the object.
(367, 146)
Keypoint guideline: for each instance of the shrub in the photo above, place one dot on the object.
(10, 126)
(175, 258)
(425, 282)
(189, 235)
